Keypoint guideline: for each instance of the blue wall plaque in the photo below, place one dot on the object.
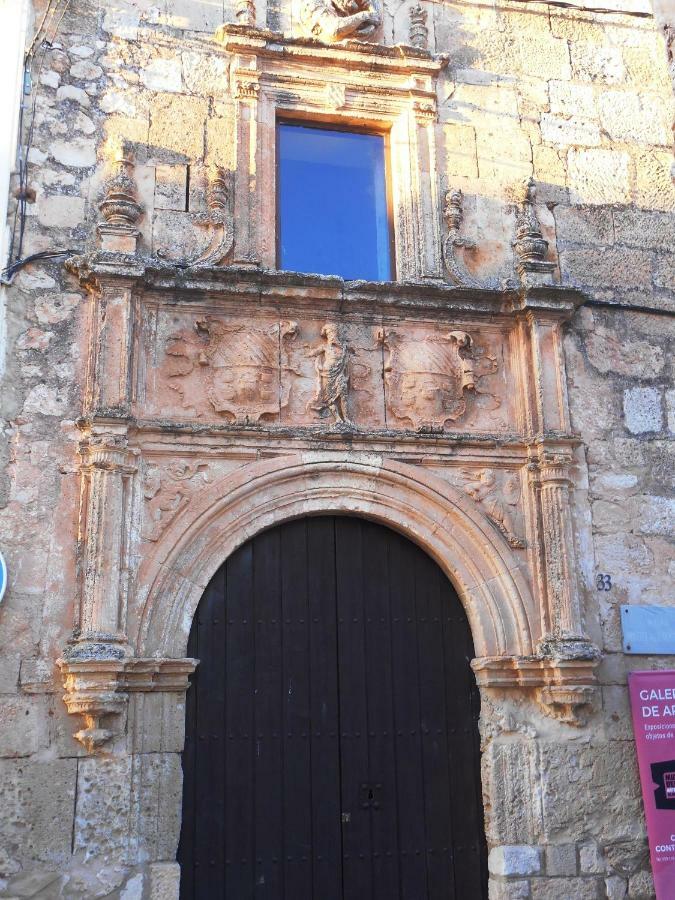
(648, 629)
(3, 577)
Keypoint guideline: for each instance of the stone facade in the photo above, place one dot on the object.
(507, 402)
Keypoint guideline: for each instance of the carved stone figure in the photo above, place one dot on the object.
(498, 501)
(336, 20)
(332, 361)
(427, 379)
(166, 492)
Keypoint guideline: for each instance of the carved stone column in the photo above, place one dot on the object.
(94, 658)
(109, 382)
(107, 467)
(552, 466)
(246, 90)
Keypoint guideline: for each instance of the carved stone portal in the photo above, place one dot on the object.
(428, 381)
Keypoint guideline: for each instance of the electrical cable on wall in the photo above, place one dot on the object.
(34, 58)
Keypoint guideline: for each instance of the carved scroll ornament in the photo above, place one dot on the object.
(429, 381)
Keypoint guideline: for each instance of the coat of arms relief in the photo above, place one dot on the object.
(236, 365)
(431, 379)
(343, 375)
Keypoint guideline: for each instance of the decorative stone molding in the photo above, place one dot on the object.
(246, 13)
(360, 83)
(96, 689)
(435, 514)
(120, 208)
(431, 378)
(566, 688)
(454, 215)
(166, 490)
(218, 220)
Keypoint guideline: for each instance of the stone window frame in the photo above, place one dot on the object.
(360, 86)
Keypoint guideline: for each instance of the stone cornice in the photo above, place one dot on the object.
(274, 45)
(292, 289)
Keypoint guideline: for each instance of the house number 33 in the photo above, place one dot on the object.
(603, 582)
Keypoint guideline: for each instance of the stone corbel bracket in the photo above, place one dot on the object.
(565, 688)
(97, 689)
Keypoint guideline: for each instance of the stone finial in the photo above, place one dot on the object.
(419, 33)
(453, 211)
(530, 246)
(120, 207)
(245, 13)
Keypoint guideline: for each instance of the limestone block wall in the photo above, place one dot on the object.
(581, 102)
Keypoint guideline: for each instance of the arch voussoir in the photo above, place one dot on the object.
(420, 505)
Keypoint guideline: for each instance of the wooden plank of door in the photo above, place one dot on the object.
(209, 726)
(469, 860)
(267, 765)
(434, 726)
(239, 722)
(379, 544)
(295, 703)
(409, 773)
(356, 837)
(325, 724)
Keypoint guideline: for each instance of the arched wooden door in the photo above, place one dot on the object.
(332, 747)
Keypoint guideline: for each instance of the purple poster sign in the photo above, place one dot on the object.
(652, 700)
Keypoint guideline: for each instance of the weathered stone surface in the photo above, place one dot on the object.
(164, 881)
(514, 860)
(163, 75)
(57, 211)
(34, 797)
(599, 176)
(642, 410)
(584, 225)
(564, 889)
(561, 859)
(620, 268)
(600, 810)
(103, 808)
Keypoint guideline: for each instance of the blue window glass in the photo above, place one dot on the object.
(332, 216)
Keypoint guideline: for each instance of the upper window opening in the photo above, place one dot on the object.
(333, 216)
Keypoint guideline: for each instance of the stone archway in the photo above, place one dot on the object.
(444, 522)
